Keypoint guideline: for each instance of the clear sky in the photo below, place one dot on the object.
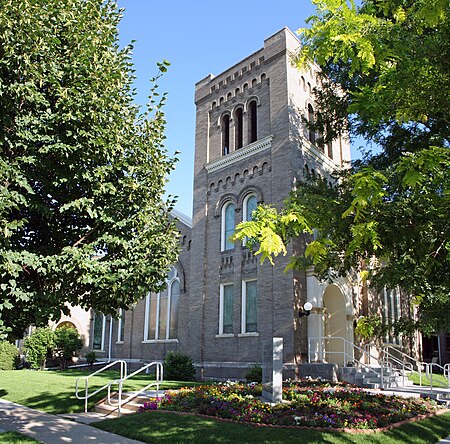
(197, 38)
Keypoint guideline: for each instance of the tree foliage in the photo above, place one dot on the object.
(82, 171)
(67, 343)
(385, 77)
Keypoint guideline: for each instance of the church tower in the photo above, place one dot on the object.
(251, 147)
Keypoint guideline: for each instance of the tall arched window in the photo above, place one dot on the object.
(227, 226)
(250, 204)
(161, 310)
(239, 122)
(311, 132)
(252, 122)
(225, 124)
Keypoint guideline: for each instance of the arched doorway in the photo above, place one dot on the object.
(335, 325)
(66, 324)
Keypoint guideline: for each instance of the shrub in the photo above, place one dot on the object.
(254, 373)
(67, 342)
(178, 367)
(9, 356)
(91, 357)
(38, 346)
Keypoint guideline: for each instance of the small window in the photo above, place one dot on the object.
(303, 83)
(121, 325)
(245, 86)
(239, 122)
(249, 316)
(252, 122)
(330, 149)
(311, 132)
(228, 224)
(226, 309)
(221, 100)
(98, 335)
(254, 82)
(237, 91)
(263, 77)
(229, 96)
(225, 134)
(214, 104)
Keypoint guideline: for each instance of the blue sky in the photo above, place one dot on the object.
(197, 38)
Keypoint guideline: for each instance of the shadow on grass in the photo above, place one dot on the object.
(162, 428)
(3, 393)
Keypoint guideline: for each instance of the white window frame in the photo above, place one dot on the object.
(102, 345)
(120, 324)
(221, 306)
(169, 304)
(244, 310)
(223, 240)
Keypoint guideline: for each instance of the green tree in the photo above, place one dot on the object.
(386, 77)
(67, 342)
(82, 171)
(38, 346)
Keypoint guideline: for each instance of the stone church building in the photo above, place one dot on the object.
(221, 304)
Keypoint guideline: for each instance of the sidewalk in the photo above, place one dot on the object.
(51, 429)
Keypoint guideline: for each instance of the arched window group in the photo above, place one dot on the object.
(239, 122)
(161, 310)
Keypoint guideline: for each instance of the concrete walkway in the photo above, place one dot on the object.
(52, 429)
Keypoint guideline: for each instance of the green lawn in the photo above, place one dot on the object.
(438, 380)
(54, 391)
(15, 438)
(169, 428)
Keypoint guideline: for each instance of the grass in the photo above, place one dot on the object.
(54, 391)
(15, 438)
(161, 428)
(439, 381)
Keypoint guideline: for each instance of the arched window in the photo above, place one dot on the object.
(225, 124)
(303, 83)
(236, 91)
(263, 77)
(252, 122)
(254, 82)
(250, 204)
(229, 95)
(238, 122)
(311, 132)
(161, 310)
(227, 226)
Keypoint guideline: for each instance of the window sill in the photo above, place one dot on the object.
(225, 335)
(119, 342)
(159, 341)
(248, 335)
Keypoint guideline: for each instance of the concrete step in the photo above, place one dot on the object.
(111, 410)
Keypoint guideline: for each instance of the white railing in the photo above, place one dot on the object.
(320, 352)
(120, 382)
(398, 362)
(445, 370)
(87, 395)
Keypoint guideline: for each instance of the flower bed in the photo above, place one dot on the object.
(307, 403)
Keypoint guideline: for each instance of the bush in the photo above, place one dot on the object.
(91, 357)
(254, 374)
(67, 342)
(9, 356)
(38, 346)
(178, 367)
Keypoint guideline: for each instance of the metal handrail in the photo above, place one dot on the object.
(87, 395)
(409, 365)
(389, 358)
(351, 356)
(120, 382)
(429, 373)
